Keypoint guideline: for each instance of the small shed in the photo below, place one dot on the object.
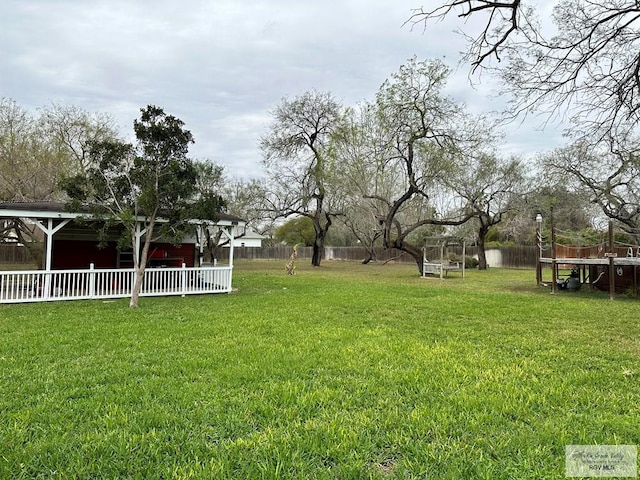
(249, 239)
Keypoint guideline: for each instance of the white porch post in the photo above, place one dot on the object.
(46, 290)
(231, 234)
(201, 240)
(92, 280)
(231, 247)
(49, 232)
(231, 244)
(183, 280)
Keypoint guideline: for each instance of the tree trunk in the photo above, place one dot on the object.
(318, 251)
(368, 259)
(482, 255)
(140, 265)
(318, 242)
(137, 287)
(372, 255)
(214, 246)
(416, 253)
(412, 250)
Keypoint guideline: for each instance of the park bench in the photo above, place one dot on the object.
(440, 268)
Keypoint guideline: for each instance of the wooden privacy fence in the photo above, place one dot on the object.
(283, 252)
(14, 253)
(508, 257)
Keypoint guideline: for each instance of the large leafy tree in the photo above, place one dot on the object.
(363, 172)
(490, 187)
(586, 71)
(135, 185)
(397, 148)
(247, 198)
(37, 150)
(75, 130)
(296, 231)
(242, 198)
(30, 169)
(550, 196)
(609, 174)
(299, 165)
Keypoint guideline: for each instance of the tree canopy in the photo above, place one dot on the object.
(580, 63)
(608, 175)
(135, 185)
(397, 151)
(37, 150)
(297, 159)
(490, 186)
(296, 231)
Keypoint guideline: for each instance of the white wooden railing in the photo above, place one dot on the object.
(43, 286)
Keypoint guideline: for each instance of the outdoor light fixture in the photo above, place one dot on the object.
(539, 249)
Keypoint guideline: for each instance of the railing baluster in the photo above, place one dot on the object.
(37, 286)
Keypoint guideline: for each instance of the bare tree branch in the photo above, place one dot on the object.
(588, 72)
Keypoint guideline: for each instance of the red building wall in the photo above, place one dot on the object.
(68, 254)
(167, 255)
(79, 254)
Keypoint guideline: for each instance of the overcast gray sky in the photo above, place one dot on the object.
(222, 65)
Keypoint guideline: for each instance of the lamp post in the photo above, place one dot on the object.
(554, 265)
(538, 249)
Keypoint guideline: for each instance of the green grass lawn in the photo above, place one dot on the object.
(343, 371)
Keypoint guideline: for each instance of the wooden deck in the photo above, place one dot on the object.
(611, 273)
(591, 261)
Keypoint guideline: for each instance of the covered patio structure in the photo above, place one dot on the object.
(78, 266)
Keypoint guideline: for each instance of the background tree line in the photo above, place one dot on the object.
(410, 164)
(578, 62)
(416, 163)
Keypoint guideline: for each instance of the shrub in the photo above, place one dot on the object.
(469, 262)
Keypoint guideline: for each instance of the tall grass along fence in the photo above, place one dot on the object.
(42, 286)
(509, 257)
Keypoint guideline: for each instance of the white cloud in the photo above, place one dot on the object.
(219, 66)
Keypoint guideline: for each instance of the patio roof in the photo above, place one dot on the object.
(45, 210)
(51, 217)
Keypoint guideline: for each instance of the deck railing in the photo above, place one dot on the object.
(43, 286)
